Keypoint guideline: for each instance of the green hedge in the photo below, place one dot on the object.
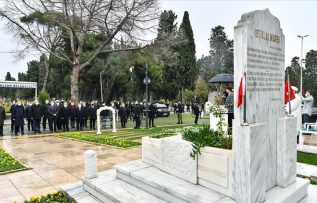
(100, 139)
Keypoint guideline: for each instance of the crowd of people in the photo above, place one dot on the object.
(59, 115)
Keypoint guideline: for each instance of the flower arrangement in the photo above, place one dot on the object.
(53, 197)
(8, 163)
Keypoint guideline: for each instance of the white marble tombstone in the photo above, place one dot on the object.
(104, 108)
(259, 53)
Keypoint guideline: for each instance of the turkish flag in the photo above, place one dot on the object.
(286, 92)
(240, 93)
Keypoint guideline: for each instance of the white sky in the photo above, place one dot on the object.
(296, 17)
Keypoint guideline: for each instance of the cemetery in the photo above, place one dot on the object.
(119, 105)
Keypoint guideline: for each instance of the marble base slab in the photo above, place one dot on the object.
(292, 194)
(169, 187)
(215, 170)
(249, 149)
(286, 151)
(108, 188)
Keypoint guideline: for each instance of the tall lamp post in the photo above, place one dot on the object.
(101, 94)
(301, 63)
(147, 81)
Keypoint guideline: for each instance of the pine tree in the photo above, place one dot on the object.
(187, 68)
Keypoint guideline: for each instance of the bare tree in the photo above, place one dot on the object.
(74, 21)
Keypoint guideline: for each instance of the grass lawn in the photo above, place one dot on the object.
(122, 138)
(8, 163)
(307, 158)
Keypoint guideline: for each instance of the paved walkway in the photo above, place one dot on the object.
(54, 162)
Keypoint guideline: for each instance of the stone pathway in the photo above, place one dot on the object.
(54, 162)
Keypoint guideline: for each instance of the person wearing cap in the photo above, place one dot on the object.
(2, 118)
(296, 109)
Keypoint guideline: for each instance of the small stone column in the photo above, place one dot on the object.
(90, 164)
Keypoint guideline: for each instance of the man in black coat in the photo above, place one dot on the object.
(37, 113)
(72, 114)
(93, 115)
(18, 117)
(152, 113)
(65, 113)
(2, 118)
(12, 120)
(123, 113)
(59, 105)
(137, 115)
(45, 114)
(80, 115)
(28, 115)
(52, 116)
(86, 113)
(196, 112)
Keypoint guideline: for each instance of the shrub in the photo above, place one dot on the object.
(202, 137)
(43, 96)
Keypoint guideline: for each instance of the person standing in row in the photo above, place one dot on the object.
(137, 115)
(65, 113)
(2, 118)
(123, 113)
(12, 120)
(18, 117)
(72, 112)
(37, 113)
(45, 114)
(152, 113)
(52, 116)
(28, 115)
(93, 115)
(80, 115)
(86, 115)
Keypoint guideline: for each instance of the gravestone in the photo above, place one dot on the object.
(264, 143)
(102, 121)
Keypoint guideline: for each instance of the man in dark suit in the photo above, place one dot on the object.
(196, 112)
(80, 115)
(137, 115)
(229, 104)
(93, 115)
(152, 113)
(28, 115)
(52, 116)
(18, 117)
(123, 113)
(72, 114)
(37, 113)
(65, 113)
(45, 114)
(2, 118)
(12, 120)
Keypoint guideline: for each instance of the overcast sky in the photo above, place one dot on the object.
(296, 17)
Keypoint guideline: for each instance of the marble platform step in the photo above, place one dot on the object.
(76, 192)
(292, 194)
(166, 186)
(109, 189)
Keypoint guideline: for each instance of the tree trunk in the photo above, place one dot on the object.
(47, 69)
(74, 84)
